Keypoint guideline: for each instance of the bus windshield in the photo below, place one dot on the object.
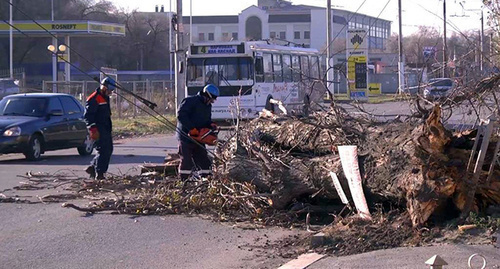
(222, 71)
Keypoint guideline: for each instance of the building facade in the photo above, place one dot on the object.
(281, 20)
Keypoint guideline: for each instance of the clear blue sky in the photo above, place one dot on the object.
(415, 12)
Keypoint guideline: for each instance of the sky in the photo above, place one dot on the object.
(415, 12)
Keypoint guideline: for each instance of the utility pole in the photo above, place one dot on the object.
(180, 89)
(481, 57)
(329, 74)
(11, 42)
(401, 64)
(445, 47)
(170, 52)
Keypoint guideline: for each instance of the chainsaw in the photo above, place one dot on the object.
(206, 136)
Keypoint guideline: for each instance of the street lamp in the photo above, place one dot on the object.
(59, 52)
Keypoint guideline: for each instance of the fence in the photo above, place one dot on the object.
(159, 92)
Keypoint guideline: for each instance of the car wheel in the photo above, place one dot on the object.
(34, 150)
(87, 147)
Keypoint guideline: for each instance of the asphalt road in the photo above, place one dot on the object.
(49, 236)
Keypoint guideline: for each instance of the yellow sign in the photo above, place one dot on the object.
(351, 69)
(65, 27)
(375, 88)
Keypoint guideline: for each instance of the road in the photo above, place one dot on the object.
(49, 236)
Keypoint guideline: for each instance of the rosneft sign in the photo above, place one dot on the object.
(66, 27)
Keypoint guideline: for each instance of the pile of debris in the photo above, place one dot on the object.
(419, 166)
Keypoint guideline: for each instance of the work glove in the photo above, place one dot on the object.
(194, 132)
(94, 133)
(214, 126)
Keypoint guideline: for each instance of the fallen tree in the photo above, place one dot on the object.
(415, 164)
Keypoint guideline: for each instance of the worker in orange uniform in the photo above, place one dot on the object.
(98, 119)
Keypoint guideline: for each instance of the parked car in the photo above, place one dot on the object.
(34, 123)
(438, 88)
(8, 87)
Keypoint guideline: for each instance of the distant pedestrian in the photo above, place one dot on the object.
(98, 118)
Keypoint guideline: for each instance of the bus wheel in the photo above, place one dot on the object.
(307, 105)
(269, 106)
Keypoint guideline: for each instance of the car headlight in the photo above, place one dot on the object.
(13, 131)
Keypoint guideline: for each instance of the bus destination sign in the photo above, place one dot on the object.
(219, 49)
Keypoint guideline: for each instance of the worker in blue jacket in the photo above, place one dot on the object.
(98, 118)
(194, 115)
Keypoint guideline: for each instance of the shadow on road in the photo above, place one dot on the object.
(79, 160)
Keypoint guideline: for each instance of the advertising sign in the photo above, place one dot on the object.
(357, 56)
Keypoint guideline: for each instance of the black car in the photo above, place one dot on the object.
(38, 122)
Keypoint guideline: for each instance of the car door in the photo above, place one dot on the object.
(77, 130)
(55, 128)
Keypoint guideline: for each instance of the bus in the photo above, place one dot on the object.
(251, 74)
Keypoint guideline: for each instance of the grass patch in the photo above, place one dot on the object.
(141, 126)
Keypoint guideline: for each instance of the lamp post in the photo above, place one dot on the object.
(59, 52)
(11, 42)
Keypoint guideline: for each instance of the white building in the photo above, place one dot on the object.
(279, 19)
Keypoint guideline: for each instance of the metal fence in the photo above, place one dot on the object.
(122, 104)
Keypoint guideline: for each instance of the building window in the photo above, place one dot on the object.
(307, 35)
(272, 35)
(283, 35)
(225, 36)
(235, 36)
(201, 37)
(296, 35)
(211, 36)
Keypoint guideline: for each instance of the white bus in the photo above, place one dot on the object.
(258, 72)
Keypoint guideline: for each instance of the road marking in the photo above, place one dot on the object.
(302, 261)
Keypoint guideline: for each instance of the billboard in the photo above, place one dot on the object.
(357, 57)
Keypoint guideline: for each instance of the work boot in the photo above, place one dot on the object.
(91, 171)
(100, 176)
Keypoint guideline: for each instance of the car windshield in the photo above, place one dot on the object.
(33, 107)
(442, 82)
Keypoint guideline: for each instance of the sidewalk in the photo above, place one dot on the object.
(455, 255)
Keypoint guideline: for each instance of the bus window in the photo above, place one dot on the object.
(295, 68)
(277, 68)
(315, 67)
(268, 68)
(287, 68)
(195, 72)
(212, 71)
(304, 61)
